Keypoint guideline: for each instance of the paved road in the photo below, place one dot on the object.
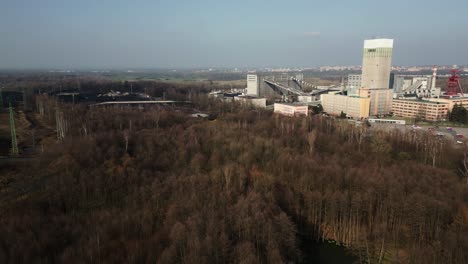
(450, 133)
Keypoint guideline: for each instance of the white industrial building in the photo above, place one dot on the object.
(273, 85)
(354, 84)
(354, 80)
(291, 109)
(377, 63)
(355, 107)
(306, 98)
(421, 86)
(252, 100)
(368, 94)
(376, 68)
(380, 100)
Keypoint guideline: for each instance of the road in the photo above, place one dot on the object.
(450, 133)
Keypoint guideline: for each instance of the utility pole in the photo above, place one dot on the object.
(1, 97)
(14, 143)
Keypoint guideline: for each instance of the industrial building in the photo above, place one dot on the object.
(423, 109)
(354, 84)
(354, 80)
(380, 100)
(463, 101)
(291, 109)
(274, 85)
(376, 67)
(426, 101)
(402, 83)
(252, 100)
(373, 84)
(352, 106)
(432, 109)
(377, 63)
(416, 86)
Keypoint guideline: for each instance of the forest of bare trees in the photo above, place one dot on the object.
(155, 185)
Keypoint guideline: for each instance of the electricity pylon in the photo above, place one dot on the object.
(14, 143)
(1, 98)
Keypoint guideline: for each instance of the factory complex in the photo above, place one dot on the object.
(408, 96)
(377, 92)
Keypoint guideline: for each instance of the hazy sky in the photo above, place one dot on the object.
(239, 33)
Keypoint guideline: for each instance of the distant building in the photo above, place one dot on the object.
(306, 98)
(431, 109)
(463, 101)
(255, 101)
(335, 104)
(380, 100)
(270, 85)
(376, 67)
(216, 94)
(354, 84)
(387, 121)
(354, 80)
(415, 85)
(377, 63)
(368, 94)
(253, 85)
(427, 110)
(291, 109)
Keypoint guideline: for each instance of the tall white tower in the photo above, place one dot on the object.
(377, 63)
(434, 77)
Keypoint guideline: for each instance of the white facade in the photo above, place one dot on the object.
(258, 102)
(252, 85)
(416, 85)
(335, 104)
(380, 100)
(306, 98)
(378, 43)
(291, 110)
(270, 85)
(387, 121)
(354, 80)
(377, 63)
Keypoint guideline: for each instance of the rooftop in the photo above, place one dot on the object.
(378, 43)
(419, 101)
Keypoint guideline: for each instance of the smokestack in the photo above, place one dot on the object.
(434, 77)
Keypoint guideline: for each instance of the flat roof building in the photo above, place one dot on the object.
(271, 85)
(415, 86)
(291, 109)
(423, 109)
(463, 101)
(355, 107)
(368, 94)
(254, 101)
(380, 100)
(377, 63)
(354, 80)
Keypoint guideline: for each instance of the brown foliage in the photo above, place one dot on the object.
(144, 187)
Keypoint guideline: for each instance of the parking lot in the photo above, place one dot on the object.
(458, 134)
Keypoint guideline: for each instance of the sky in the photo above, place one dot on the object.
(118, 34)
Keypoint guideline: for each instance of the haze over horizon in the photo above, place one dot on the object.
(193, 34)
